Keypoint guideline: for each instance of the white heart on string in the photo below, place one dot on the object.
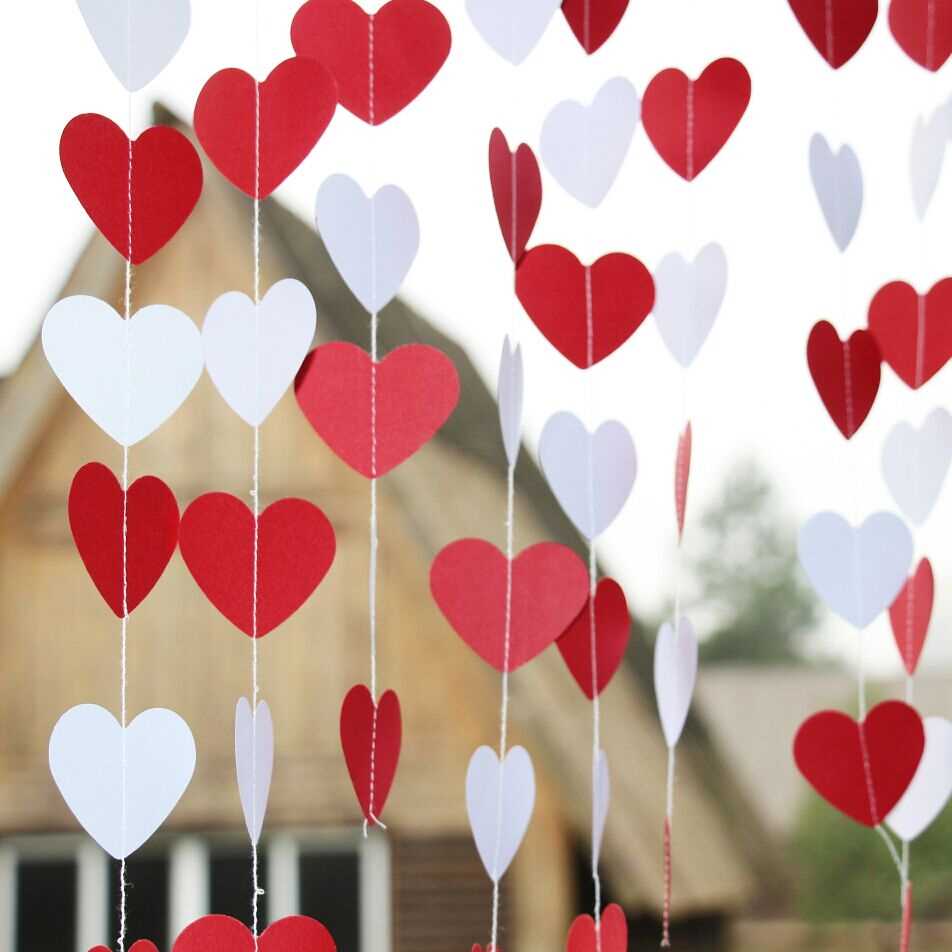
(86, 753)
(270, 343)
(859, 571)
(509, 398)
(838, 183)
(591, 474)
(254, 751)
(512, 29)
(926, 155)
(137, 38)
(688, 297)
(498, 836)
(600, 800)
(915, 463)
(925, 798)
(583, 147)
(372, 241)
(675, 674)
(127, 395)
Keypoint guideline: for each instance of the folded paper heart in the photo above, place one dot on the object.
(221, 933)
(931, 787)
(253, 352)
(930, 139)
(601, 797)
(915, 463)
(105, 522)
(837, 28)
(140, 945)
(910, 614)
(861, 768)
(296, 547)
(408, 41)
(257, 134)
(593, 23)
(90, 754)
(923, 29)
(166, 182)
(611, 934)
(838, 183)
(254, 762)
(512, 29)
(675, 673)
(517, 192)
(509, 398)
(128, 378)
(586, 312)
(375, 416)
(370, 736)
(682, 475)
(549, 587)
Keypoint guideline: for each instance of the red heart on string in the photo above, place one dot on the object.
(417, 388)
(612, 629)
(224, 934)
(360, 742)
(296, 104)
(517, 191)
(408, 41)
(837, 28)
(593, 21)
(489, 948)
(682, 474)
(689, 121)
(613, 932)
(923, 28)
(914, 331)
(846, 374)
(555, 289)
(296, 547)
(140, 945)
(166, 181)
(910, 614)
(864, 768)
(549, 587)
(95, 518)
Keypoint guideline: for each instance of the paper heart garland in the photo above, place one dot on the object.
(931, 786)
(861, 768)
(549, 587)
(601, 797)
(923, 29)
(846, 374)
(253, 353)
(930, 138)
(858, 571)
(517, 192)
(296, 547)
(612, 932)
(593, 21)
(910, 614)
(838, 183)
(166, 181)
(837, 28)
(140, 945)
(285, 119)
(689, 121)
(915, 463)
(512, 29)
(86, 761)
(417, 388)
(96, 521)
(586, 312)
(583, 147)
(409, 41)
(675, 673)
(499, 827)
(128, 379)
(509, 396)
(362, 743)
(254, 744)
(682, 475)
(220, 933)
(372, 241)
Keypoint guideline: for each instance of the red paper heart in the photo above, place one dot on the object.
(296, 104)
(224, 934)
(556, 289)
(613, 932)
(593, 21)
(517, 192)
(862, 769)
(612, 629)
(914, 331)
(140, 945)
(417, 388)
(837, 28)
(360, 742)
(296, 547)
(923, 28)
(682, 474)
(489, 948)
(911, 613)
(689, 121)
(846, 374)
(166, 181)
(549, 587)
(95, 518)
(407, 40)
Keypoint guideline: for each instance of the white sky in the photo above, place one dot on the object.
(749, 392)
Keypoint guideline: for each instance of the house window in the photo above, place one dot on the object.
(44, 884)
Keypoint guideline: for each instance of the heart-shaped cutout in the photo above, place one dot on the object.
(593, 21)
(509, 396)
(611, 935)
(923, 28)
(675, 674)
(290, 934)
(517, 192)
(910, 614)
(930, 139)
(512, 29)
(838, 184)
(254, 762)
(837, 28)
(931, 786)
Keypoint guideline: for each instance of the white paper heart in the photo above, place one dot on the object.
(137, 38)
(242, 347)
(254, 762)
(926, 155)
(583, 147)
(591, 474)
(675, 673)
(838, 183)
(128, 394)
(512, 29)
(858, 572)
(509, 398)
(86, 752)
(688, 297)
(600, 800)
(915, 463)
(497, 841)
(931, 787)
(372, 241)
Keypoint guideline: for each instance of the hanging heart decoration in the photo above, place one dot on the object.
(254, 762)
(927, 148)
(931, 787)
(290, 934)
(837, 28)
(593, 21)
(611, 934)
(509, 398)
(910, 614)
(512, 29)
(517, 192)
(838, 183)
(675, 674)
(923, 29)
(915, 463)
